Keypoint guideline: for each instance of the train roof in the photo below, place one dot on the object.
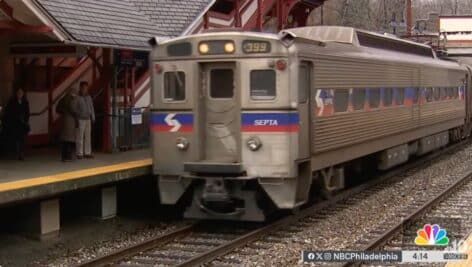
(347, 41)
(357, 37)
(327, 34)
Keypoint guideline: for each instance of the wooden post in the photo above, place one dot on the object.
(205, 21)
(237, 14)
(133, 86)
(280, 15)
(50, 88)
(259, 15)
(408, 17)
(107, 65)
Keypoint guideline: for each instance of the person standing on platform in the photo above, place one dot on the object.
(70, 124)
(17, 113)
(83, 107)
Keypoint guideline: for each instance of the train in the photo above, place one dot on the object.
(244, 124)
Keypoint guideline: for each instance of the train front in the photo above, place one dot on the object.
(224, 127)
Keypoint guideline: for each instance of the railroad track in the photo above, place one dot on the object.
(197, 244)
(418, 210)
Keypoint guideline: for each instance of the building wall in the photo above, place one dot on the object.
(6, 71)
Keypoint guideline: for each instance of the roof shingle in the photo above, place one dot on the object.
(128, 23)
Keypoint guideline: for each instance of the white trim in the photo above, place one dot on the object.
(45, 19)
(144, 86)
(195, 23)
(250, 10)
(222, 22)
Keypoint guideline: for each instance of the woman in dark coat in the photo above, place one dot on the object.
(17, 127)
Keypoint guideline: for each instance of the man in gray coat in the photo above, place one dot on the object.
(69, 123)
(83, 107)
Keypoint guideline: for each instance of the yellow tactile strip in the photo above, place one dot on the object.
(30, 182)
(468, 262)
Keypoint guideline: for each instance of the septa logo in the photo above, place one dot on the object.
(431, 235)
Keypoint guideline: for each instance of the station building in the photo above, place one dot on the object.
(49, 46)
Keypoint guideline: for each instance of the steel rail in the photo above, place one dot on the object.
(223, 249)
(143, 246)
(390, 176)
(418, 212)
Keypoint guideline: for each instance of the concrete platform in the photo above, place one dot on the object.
(43, 175)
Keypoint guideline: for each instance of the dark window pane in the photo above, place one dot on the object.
(387, 97)
(399, 96)
(263, 84)
(304, 83)
(374, 98)
(341, 100)
(221, 83)
(428, 94)
(174, 86)
(437, 94)
(456, 92)
(443, 93)
(450, 92)
(182, 49)
(358, 98)
(415, 95)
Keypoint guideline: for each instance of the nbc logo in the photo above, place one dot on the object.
(431, 235)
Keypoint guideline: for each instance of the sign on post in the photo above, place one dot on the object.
(136, 116)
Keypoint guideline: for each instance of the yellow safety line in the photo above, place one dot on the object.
(468, 262)
(73, 175)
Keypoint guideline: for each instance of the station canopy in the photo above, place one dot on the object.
(114, 23)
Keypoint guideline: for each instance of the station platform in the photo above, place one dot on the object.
(43, 175)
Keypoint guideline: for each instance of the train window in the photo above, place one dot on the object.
(174, 86)
(428, 94)
(221, 83)
(374, 97)
(437, 94)
(180, 49)
(414, 95)
(341, 100)
(443, 93)
(304, 83)
(450, 92)
(263, 84)
(399, 96)
(387, 97)
(358, 98)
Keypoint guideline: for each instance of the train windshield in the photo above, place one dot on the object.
(222, 83)
(174, 86)
(263, 84)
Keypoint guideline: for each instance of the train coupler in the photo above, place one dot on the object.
(214, 200)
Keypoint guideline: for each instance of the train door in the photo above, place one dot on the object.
(304, 86)
(220, 111)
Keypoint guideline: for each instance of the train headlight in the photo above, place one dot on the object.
(182, 143)
(254, 143)
(203, 48)
(229, 47)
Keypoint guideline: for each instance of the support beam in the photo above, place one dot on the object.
(409, 17)
(42, 219)
(102, 203)
(237, 14)
(6, 9)
(259, 15)
(7, 25)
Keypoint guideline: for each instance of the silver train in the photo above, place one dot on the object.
(247, 123)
